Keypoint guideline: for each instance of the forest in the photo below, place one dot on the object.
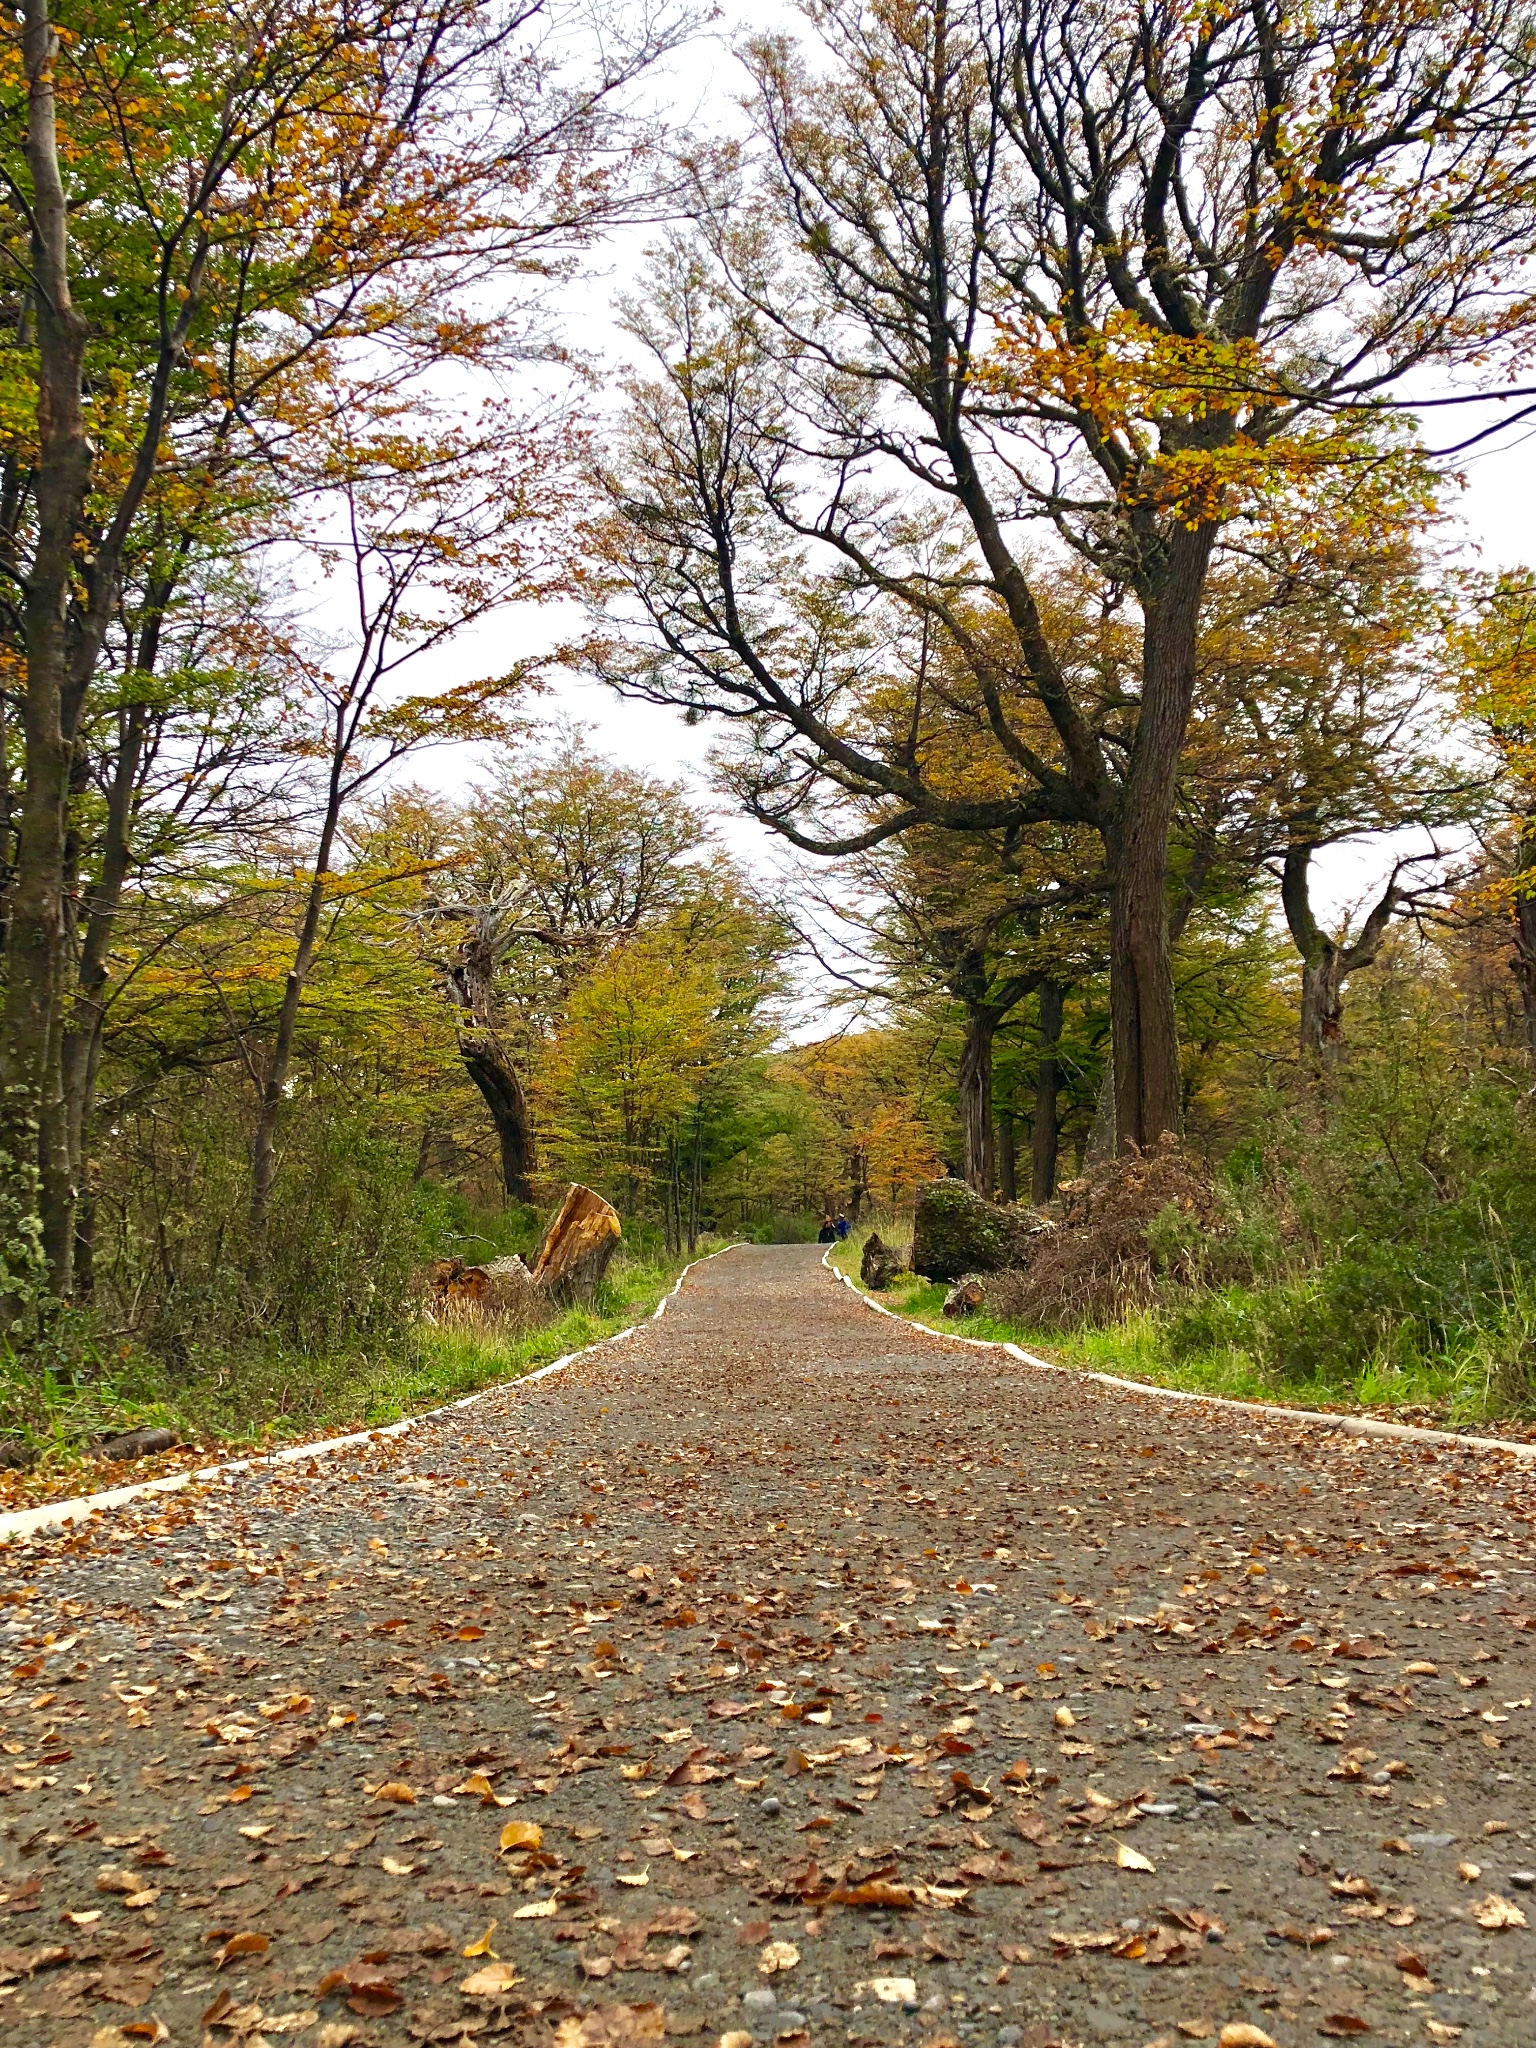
(1029, 448)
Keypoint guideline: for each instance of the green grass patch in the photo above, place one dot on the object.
(262, 1400)
(1192, 1344)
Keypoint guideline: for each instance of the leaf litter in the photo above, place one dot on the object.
(755, 1654)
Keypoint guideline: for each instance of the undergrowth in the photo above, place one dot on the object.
(263, 1398)
(1213, 1343)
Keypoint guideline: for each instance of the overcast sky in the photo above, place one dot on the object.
(701, 89)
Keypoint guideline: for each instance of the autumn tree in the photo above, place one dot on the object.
(1122, 282)
(1494, 649)
(201, 206)
(555, 859)
(1325, 719)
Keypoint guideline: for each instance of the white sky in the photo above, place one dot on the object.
(701, 88)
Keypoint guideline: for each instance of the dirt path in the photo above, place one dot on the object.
(987, 1705)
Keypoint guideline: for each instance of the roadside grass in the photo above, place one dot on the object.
(262, 1401)
(1459, 1390)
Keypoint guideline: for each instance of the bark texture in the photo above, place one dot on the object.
(1046, 1135)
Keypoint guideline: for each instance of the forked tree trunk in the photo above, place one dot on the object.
(1326, 961)
(1047, 1131)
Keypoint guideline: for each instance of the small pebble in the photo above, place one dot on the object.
(1523, 1880)
(759, 1999)
(770, 1806)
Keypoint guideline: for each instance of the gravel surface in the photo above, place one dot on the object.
(823, 1678)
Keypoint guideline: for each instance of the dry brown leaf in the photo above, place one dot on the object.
(482, 1947)
(1497, 1913)
(490, 1982)
(521, 1834)
(240, 1945)
(1242, 2034)
(1132, 1859)
(778, 1955)
(395, 1791)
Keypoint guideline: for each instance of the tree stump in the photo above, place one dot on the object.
(574, 1251)
(879, 1263)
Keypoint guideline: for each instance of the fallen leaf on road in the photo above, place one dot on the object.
(1343, 2026)
(538, 1909)
(482, 1947)
(1239, 2034)
(613, 2026)
(1496, 1913)
(395, 1790)
(778, 1955)
(521, 1834)
(490, 1982)
(1132, 1859)
(369, 1991)
(684, 1920)
(240, 1945)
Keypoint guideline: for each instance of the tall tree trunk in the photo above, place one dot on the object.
(1143, 1018)
(1007, 1154)
(1047, 1128)
(1524, 921)
(274, 1082)
(31, 1111)
(975, 1097)
(490, 1066)
(81, 1059)
(858, 1182)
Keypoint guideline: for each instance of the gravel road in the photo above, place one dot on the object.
(823, 1679)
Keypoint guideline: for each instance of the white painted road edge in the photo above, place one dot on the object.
(1347, 1425)
(25, 1521)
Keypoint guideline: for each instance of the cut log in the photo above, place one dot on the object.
(574, 1251)
(502, 1290)
(136, 1443)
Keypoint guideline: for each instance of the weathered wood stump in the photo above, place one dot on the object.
(574, 1251)
(879, 1263)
